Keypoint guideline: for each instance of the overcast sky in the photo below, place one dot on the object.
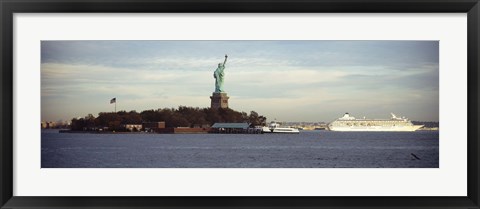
(284, 80)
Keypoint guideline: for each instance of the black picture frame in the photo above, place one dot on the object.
(9, 7)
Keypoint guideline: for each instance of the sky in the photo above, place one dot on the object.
(310, 81)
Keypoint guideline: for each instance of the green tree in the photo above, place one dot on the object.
(77, 124)
(111, 120)
(256, 120)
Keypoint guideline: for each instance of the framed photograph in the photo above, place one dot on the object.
(265, 104)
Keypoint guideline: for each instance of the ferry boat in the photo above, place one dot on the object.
(349, 123)
(275, 127)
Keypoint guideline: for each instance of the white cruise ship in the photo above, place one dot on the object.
(349, 123)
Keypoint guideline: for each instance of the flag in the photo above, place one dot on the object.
(114, 100)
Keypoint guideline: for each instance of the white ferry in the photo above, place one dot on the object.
(274, 127)
(349, 123)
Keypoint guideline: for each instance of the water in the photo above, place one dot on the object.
(309, 149)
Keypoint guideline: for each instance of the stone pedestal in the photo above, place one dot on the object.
(219, 100)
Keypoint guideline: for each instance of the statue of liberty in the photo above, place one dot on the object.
(218, 75)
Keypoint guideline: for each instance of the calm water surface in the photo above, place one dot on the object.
(309, 149)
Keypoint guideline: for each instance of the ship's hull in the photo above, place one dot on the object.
(375, 128)
(280, 130)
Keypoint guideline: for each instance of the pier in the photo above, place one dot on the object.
(234, 128)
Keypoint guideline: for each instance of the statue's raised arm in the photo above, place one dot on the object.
(225, 60)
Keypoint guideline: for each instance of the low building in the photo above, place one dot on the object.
(133, 127)
(230, 127)
(183, 130)
(153, 126)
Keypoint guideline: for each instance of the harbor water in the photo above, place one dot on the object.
(308, 149)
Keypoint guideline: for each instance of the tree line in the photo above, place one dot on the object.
(180, 117)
